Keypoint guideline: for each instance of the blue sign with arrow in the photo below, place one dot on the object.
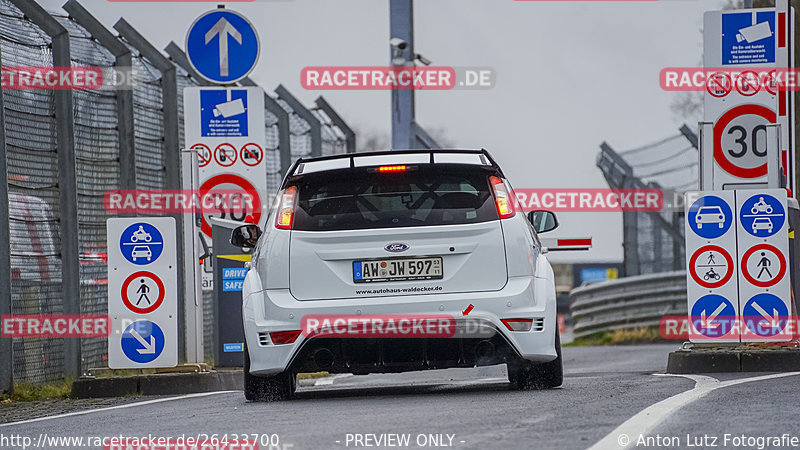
(762, 215)
(143, 341)
(713, 315)
(222, 46)
(710, 217)
(765, 315)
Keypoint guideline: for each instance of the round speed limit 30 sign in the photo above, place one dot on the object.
(228, 196)
(740, 140)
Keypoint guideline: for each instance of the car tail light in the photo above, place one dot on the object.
(285, 216)
(384, 169)
(284, 337)
(517, 324)
(505, 207)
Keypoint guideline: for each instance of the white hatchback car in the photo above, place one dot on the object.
(391, 236)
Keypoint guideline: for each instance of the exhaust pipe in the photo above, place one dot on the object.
(484, 349)
(323, 358)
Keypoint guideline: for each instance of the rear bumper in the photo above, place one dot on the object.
(277, 310)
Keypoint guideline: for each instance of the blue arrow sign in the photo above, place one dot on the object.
(710, 217)
(222, 46)
(765, 315)
(143, 341)
(713, 315)
(762, 215)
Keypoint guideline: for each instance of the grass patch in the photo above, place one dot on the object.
(110, 373)
(29, 392)
(640, 335)
(308, 376)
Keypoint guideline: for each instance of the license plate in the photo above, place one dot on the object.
(396, 269)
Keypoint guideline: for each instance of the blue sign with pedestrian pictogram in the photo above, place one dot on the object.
(710, 217)
(141, 243)
(142, 341)
(748, 38)
(765, 315)
(713, 315)
(762, 215)
(222, 46)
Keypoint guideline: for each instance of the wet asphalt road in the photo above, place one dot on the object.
(605, 388)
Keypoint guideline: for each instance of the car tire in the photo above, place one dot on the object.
(267, 389)
(525, 375)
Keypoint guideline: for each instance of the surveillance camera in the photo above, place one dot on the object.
(398, 43)
(424, 60)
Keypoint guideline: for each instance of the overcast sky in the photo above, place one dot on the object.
(570, 75)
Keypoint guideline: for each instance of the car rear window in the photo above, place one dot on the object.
(422, 195)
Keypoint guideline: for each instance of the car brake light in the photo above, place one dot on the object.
(285, 216)
(505, 208)
(284, 337)
(518, 324)
(384, 169)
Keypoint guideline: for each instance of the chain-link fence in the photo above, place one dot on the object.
(64, 151)
(654, 241)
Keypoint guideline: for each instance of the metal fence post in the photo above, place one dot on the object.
(401, 25)
(420, 135)
(284, 129)
(67, 183)
(123, 59)
(305, 114)
(172, 155)
(349, 135)
(179, 57)
(6, 344)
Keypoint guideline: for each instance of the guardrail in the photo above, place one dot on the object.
(628, 303)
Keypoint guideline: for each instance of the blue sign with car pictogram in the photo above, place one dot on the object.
(762, 215)
(710, 217)
(141, 243)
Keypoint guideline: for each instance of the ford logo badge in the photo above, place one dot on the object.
(397, 247)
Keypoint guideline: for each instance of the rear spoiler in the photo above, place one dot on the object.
(566, 243)
(484, 154)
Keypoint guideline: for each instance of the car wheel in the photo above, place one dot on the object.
(267, 389)
(699, 225)
(525, 375)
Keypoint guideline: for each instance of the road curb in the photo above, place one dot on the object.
(738, 360)
(158, 384)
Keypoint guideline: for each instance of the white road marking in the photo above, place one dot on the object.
(649, 418)
(129, 405)
(329, 380)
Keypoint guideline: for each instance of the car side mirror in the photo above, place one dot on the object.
(543, 221)
(245, 236)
